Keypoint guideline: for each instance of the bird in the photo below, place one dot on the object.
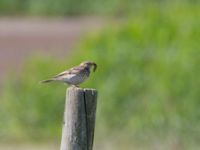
(76, 75)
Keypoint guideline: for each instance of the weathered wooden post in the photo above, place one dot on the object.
(79, 119)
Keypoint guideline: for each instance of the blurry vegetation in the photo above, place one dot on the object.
(147, 78)
(78, 7)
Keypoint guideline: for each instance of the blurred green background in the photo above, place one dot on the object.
(148, 76)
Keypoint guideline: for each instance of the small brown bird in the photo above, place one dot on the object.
(75, 75)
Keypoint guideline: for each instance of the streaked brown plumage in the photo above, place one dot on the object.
(75, 75)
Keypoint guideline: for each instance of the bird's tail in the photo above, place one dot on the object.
(47, 81)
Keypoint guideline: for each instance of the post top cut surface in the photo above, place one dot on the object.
(82, 89)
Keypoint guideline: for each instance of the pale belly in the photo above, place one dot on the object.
(76, 79)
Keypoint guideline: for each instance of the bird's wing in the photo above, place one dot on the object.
(69, 73)
(61, 74)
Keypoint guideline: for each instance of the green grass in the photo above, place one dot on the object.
(147, 78)
(29, 146)
(77, 7)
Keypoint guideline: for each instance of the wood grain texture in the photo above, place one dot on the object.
(79, 119)
(90, 104)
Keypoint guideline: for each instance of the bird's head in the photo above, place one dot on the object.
(89, 64)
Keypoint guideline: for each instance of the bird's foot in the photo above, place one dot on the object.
(75, 86)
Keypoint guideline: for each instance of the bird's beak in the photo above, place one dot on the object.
(95, 67)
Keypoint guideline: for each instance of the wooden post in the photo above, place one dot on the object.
(79, 119)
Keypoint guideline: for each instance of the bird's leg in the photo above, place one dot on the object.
(75, 86)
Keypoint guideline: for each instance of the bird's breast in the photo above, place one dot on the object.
(76, 79)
